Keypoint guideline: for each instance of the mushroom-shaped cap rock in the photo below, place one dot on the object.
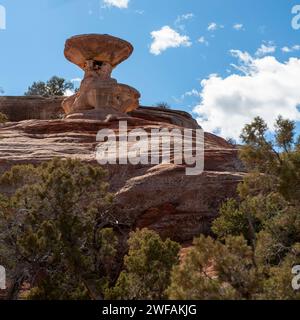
(97, 47)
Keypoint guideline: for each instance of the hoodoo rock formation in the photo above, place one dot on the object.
(99, 95)
(161, 197)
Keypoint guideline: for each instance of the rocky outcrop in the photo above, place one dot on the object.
(99, 94)
(40, 108)
(173, 204)
(178, 118)
(160, 197)
(31, 107)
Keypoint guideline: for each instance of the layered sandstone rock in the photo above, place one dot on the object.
(157, 114)
(99, 94)
(161, 197)
(31, 107)
(40, 108)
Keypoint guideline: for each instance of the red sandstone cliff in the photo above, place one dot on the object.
(160, 197)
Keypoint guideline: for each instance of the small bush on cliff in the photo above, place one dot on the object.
(163, 105)
(56, 230)
(258, 235)
(147, 267)
(3, 118)
(54, 87)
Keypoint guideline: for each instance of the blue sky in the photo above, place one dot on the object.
(201, 56)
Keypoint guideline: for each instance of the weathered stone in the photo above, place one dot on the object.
(31, 107)
(169, 116)
(39, 108)
(160, 197)
(99, 95)
(97, 47)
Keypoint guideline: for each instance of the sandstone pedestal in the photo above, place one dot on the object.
(99, 95)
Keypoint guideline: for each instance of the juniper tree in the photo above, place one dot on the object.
(56, 230)
(147, 267)
(55, 86)
(263, 223)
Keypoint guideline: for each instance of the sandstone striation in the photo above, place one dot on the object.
(160, 197)
(40, 108)
(31, 107)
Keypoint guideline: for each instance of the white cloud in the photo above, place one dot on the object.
(238, 26)
(245, 59)
(76, 80)
(290, 49)
(203, 40)
(180, 19)
(166, 38)
(265, 49)
(242, 56)
(121, 4)
(213, 26)
(286, 49)
(184, 17)
(69, 93)
(268, 88)
(191, 93)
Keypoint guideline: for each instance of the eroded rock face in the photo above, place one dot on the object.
(97, 47)
(40, 108)
(99, 95)
(169, 116)
(160, 197)
(31, 107)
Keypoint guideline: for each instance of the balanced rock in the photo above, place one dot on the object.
(99, 95)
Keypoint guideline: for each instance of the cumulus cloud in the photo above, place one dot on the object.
(265, 49)
(290, 49)
(266, 88)
(166, 38)
(121, 4)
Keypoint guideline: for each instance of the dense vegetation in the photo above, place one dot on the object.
(257, 235)
(59, 235)
(55, 86)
